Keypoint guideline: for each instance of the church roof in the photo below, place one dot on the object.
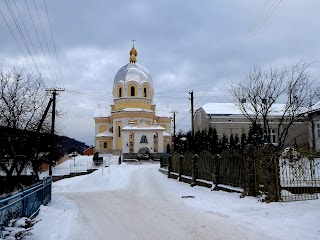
(143, 128)
(133, 72)
(101, 112)
(136, 110)
(105, 134)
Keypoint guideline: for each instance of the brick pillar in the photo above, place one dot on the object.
(249, 171)
(195, 158)
(270, 168)
(215, 171)
(180, 167)
(169, 165)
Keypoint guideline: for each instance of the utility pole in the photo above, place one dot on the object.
(54, 92)
(192, 126)
(174, 130)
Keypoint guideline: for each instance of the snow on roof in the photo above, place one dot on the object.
(232, 109)
(135, 110)
(221, 108)
(102, 112)
(143, 128)
(105, 134)
(315, 107)
(166, 134)
(162, 111)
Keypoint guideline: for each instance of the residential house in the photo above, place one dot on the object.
(228, 119)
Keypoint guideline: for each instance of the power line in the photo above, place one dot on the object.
(35, 29)
(45, 38)
(262, 18)
(20, 32)
(54, 45)
(26, 30)
(16, 40)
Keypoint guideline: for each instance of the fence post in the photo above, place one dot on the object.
(169, 165)
(215, 172)
(249, 171)
(195, 158)
(269, 165)
(180, 167)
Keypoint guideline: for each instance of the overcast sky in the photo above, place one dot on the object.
(186, 45)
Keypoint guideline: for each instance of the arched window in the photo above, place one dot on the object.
(143, 139)
(105, 145)
(119, 131)
(132, 91)
(120, 92)
(145, 92)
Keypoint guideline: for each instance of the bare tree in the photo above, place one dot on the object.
(22, 103)
(258, 93)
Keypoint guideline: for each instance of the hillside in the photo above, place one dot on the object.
(68, 145)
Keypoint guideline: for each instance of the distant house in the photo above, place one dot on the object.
(227, 119)
(314, 127)
(43, 165)
(89, 151)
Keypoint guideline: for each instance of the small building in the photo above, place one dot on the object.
(89, 151)
(44, 165)
(314, 127)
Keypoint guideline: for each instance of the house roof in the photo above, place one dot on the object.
(315, 107)
(232, 109)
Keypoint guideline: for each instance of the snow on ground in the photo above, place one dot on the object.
(130, 201)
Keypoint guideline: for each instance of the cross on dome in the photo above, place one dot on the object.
(133, 53)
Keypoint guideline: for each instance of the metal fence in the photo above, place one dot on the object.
(25, 203)
(298, 178)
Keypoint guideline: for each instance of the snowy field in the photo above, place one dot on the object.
(80, 164)
(138, 202)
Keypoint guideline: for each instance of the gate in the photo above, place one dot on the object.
(298, 178)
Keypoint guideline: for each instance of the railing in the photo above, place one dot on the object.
(25, 203)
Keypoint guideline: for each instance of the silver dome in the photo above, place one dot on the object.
(133, 72)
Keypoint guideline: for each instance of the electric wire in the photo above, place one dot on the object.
(45, 38)
(262, 18)
(54, 44)
(28, 35)
(40, 44)
(20, 33)
(4, 18)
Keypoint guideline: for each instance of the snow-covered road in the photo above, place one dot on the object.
(146, 210)
(138, 202)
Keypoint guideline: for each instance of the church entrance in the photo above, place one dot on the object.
(143, 153)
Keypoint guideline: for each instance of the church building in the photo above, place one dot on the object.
(132, 125)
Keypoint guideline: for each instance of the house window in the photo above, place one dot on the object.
(145, 92)
(105, 145)
(132, 91)
(199, 118)
(273, 136)
(318, 130)
(143, 139)
(119, 131)
(120, 92)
